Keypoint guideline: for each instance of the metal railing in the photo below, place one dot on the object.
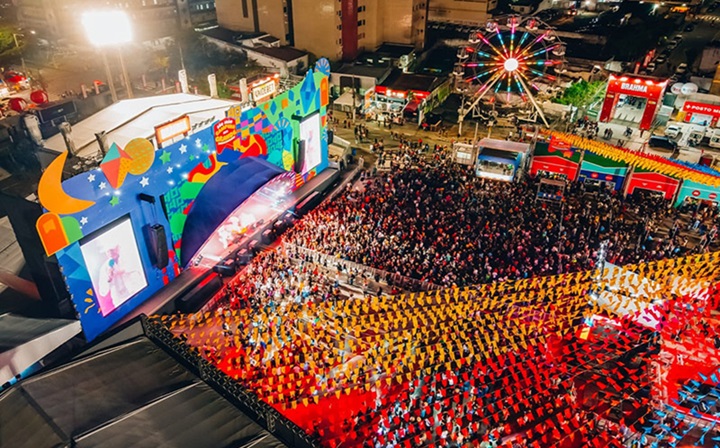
(402, 281)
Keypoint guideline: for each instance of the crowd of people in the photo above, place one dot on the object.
(441, 224)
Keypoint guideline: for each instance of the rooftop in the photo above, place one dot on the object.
(368, 71)
(409, 81)
(394, 50)
(286, 53)
(230, 36)
(129, 119)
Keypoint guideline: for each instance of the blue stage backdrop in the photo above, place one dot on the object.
(99, 223)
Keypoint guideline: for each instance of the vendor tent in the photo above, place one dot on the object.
(554, 158)
(652, 181)
(595, 167)
(690, 189)
(345, 101)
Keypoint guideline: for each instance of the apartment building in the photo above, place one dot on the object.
(461, 12)
(336, 29)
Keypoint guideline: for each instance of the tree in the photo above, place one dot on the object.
(581, 93)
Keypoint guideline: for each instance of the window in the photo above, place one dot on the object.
(361, 36)
(361, 22)
(339, 27)
(361, 8)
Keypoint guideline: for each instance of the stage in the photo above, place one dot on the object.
(164, 301)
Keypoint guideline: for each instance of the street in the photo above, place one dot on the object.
(691, 44)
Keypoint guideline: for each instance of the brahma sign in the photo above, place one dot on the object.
(651, 90)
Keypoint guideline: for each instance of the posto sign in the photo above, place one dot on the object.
(712, 110)
(650, 89)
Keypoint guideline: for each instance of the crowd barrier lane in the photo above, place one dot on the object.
(396, 279)
(249, 403)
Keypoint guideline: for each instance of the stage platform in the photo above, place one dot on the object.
(163, 302)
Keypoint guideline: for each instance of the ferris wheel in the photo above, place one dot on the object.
(508, 59)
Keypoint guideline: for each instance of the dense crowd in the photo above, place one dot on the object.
(443, 225)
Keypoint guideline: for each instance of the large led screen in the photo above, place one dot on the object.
(113, 260)
(310, 130)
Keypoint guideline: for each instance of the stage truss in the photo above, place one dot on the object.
(506, 59)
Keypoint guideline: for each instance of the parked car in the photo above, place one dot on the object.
(681, 69)
(651, 67)
(673, 130)
(662, 143)
(660, 60)
(689, 27)
(678, 38)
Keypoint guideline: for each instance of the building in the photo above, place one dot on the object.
(363, 77)
(264, 49)
(195, 13)
(468, 12)
(333, 29)
(60, 19)
(273, 17)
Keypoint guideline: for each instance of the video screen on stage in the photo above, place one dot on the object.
(310, 133)
(113, 261)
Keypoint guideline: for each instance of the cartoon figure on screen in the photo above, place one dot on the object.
(115, 282)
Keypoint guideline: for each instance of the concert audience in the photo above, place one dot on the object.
(443, 225)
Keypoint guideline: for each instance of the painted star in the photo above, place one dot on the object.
(114, 201)
(165, 157)
(91, 178)
(192, 157)
(198, 142)
(102, 185)
(206, 148)
(144, 182)
(83, 220)
(169, 170)
(183, 148)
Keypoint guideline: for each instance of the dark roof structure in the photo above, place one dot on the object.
(366, 71)
(230, 36)
(404, 82)
(286, 53)
(127, 394)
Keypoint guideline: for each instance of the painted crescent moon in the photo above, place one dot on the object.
(51, 194)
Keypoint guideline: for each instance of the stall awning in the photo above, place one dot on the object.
(345, 100)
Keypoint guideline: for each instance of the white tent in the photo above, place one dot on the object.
(345, 101)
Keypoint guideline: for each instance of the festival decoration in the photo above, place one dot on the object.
(514, 351)
(638, 159)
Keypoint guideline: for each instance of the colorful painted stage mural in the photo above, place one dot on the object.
(100, 224)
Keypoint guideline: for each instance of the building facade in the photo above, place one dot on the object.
(268, 16)
(336, 29)
(152, 19)
(461, 12)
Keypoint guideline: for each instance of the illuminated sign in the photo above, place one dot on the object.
(702, 108)
(634, 87)
(264, 90)
(172, 129)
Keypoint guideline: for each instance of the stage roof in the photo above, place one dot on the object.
(504, 145)
(24, 341)
(132, 394)
(129, 119)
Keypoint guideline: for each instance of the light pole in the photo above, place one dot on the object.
(109, 28)
(17, 45)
